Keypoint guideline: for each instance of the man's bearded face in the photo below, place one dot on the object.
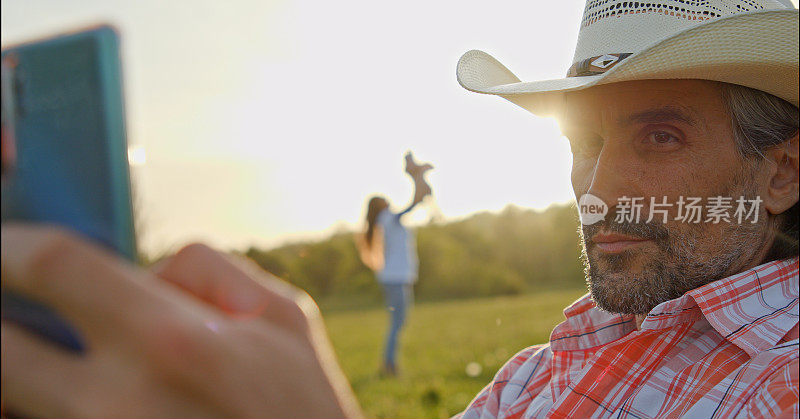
(666, 140)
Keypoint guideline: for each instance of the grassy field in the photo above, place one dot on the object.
(449, 350)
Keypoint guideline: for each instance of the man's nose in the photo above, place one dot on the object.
(608, 181)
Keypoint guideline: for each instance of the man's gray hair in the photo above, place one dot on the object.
(760, 121)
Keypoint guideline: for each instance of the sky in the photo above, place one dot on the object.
(255, 123)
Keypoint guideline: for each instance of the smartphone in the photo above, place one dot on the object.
(64, 151)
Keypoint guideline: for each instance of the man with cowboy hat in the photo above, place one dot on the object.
(683, 122)
(689, 314)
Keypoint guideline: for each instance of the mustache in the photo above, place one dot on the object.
(649, 231)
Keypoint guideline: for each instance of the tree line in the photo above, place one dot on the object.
(511, 252)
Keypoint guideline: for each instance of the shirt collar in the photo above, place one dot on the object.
(587, 326)
(753, 310)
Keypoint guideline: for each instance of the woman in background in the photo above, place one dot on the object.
(390, 250)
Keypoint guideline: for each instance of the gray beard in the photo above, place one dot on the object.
(681, 266)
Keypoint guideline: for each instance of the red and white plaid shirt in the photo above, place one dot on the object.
(728, 348)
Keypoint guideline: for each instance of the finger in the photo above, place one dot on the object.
(39, 380)
(236, 286)
(36, 376)
(240, 288)
(100, 293)
(194, 269)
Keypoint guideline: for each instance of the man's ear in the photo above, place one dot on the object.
(782, 191)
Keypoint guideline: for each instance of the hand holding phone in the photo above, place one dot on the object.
(64, 152)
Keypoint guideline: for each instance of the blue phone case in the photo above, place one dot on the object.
(63, 108)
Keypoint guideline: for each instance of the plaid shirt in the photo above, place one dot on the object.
(728, 348)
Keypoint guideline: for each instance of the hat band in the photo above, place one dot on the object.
(596, 65)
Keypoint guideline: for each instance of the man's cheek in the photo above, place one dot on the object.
(690, 235)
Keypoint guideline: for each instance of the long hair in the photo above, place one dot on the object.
(374, 207)
(370, 243)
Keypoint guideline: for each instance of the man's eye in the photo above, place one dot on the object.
(661, 137)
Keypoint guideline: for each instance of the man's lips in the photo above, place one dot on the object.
(616, 243)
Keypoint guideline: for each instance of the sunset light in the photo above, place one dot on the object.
(273, 121)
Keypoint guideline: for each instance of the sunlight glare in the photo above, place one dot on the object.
(137, 156)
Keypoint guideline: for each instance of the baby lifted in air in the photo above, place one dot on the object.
(417, 173)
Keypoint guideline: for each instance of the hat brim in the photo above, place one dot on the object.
(754, 49)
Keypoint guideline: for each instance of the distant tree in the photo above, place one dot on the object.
(515, 251)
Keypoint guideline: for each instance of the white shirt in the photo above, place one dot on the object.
(399, 251)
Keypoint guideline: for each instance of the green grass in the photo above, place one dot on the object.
(439, 341)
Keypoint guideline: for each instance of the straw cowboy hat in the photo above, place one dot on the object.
(753, 43)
